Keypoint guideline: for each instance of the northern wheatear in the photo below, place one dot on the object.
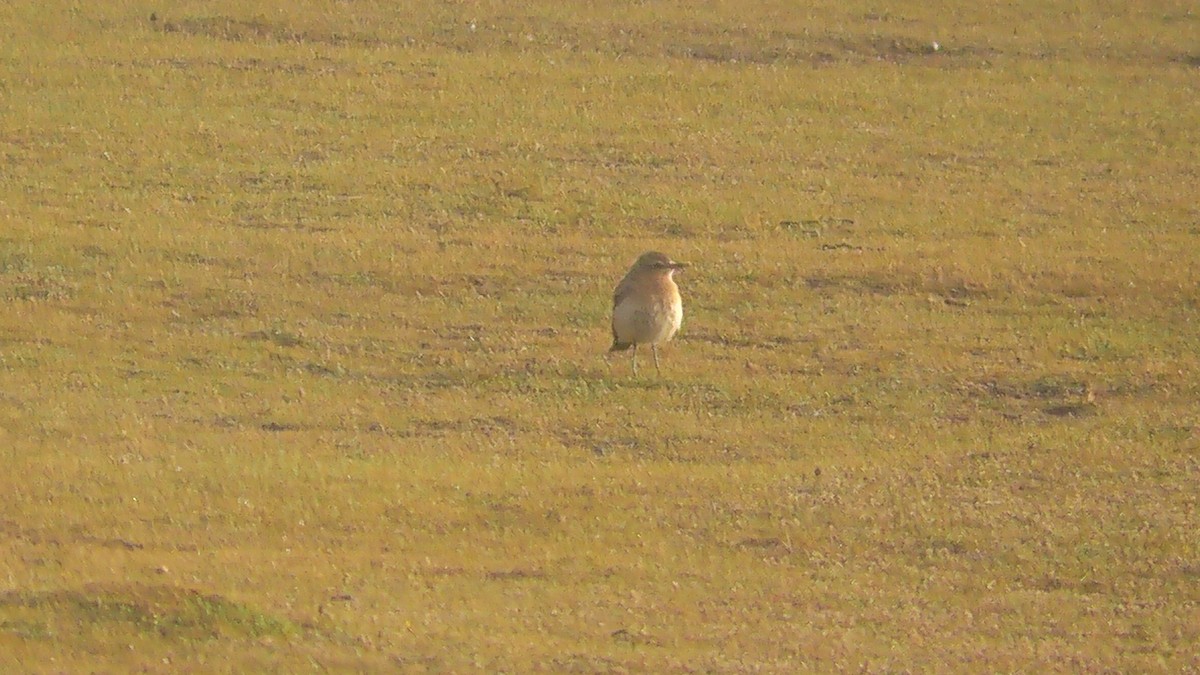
(647, 308)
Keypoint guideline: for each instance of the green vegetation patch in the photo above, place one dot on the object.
(166, 611)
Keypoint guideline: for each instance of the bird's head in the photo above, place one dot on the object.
(659, 262)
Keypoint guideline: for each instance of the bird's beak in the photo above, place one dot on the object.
(678, 266)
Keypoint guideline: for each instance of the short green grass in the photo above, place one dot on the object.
(305, 310)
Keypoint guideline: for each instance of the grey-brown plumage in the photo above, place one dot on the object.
(647, 308)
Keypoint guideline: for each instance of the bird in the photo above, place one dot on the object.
(647, 308)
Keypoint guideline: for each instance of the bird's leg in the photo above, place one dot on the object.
(654, 351)
(635, 359)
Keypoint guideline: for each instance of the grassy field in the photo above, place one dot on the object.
(305, 312)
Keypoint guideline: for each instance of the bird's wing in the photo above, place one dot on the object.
(622, 291)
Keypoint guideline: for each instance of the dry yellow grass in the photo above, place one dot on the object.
(301, 356)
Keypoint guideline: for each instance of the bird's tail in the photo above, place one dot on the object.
(618, 346)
